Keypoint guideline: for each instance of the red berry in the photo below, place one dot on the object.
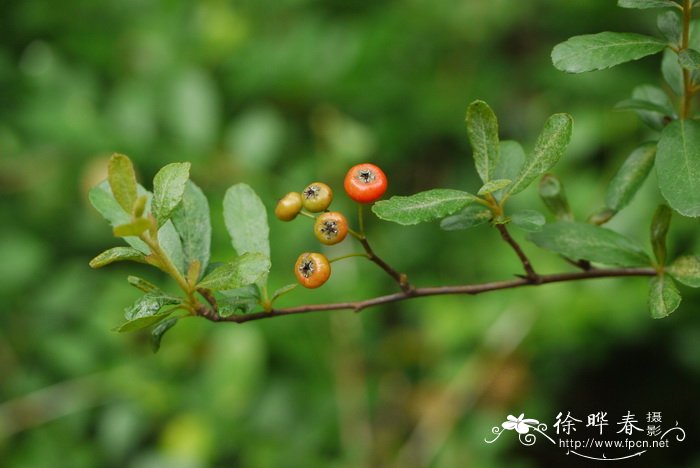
(365, 183)
(312, 269)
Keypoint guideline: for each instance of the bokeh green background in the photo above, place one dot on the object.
(277, 93)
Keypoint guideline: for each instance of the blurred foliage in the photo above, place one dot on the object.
(277, 94)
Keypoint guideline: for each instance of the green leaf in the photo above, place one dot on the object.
(238, 301)
(669, 23)
(672, 71)
(603, 50)
(169, 240)
(143, 322)
(528, 220)
(494, 186)
(117, 254)
(678, 166)
(511, 160)
(482, 129)
(145, 286)
(149, 304)
(160, 330)
(122, 181)
(168, 189)
(549, 148)
(553, 196)
(247, 269)
(686, 269)
(423, 206)
(689, 59)
(588, 242)
(246, 220)
(101, 198)
(471, 216)
(664, 297)
(193, 225)
(651, 104)
(134, 228)
(645, 4)
(630, 177)
(659, 229)
(284, 290)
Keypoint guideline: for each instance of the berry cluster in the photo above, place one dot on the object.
(364, 183)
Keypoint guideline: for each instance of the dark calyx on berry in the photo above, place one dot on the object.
(312, 191)
(366, 176)
(329, 229)
(306, 268)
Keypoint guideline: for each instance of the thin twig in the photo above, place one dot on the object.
(469, 289)
(400, 278)
(529, 271)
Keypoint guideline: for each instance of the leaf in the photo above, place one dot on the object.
(122, 181)
(423, 206)
(494, 186)
(101, 198)
(553, 196)
(678, 166)
(689, 59)
(645, 4)
(160, 330)
(659, 228)
(528, 220)
(149, 304)
(549, 148)
(588, 242)
(664, 297)
(672, 71)
(284, 290)
(471, 216)
(117, 254)
(169, 240)
(669, 23)
(686, 269)
(193, 224)
(143, 322)
(603, 50)
(135, 228)
(168, 189)
(244, 270)
(651, 104)
(630, 177)
(143, 285)
(511, 160)
(246, 220)
(241, 300)
(482, 129)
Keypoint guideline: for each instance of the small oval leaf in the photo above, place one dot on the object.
(423, 206)
(686, 269)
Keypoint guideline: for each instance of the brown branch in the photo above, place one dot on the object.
(400, 278)
(529, 271)
(469, 289)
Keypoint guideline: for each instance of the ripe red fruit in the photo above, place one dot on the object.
(365, 183)
(312, 269)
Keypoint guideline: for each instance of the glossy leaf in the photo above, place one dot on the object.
(471, 216)
(664, 297)
(645, 4)
(603, 50)
(553, 196)
(589, 242)
(117, 254)
(246, 220)
(134, 228)
(143, 322)
(238, 301)
(160, 330)
(192, 222)
(630, 177)
(482, 129)
(689, 59)
(122, 181)
(247, 269)
(659, 229)
(528, 220)
(423, 206)
(549, 148)
(168, 188)
(678, 166)
(494, 186)
(101, 198)
(150, 304)
(686, 269)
